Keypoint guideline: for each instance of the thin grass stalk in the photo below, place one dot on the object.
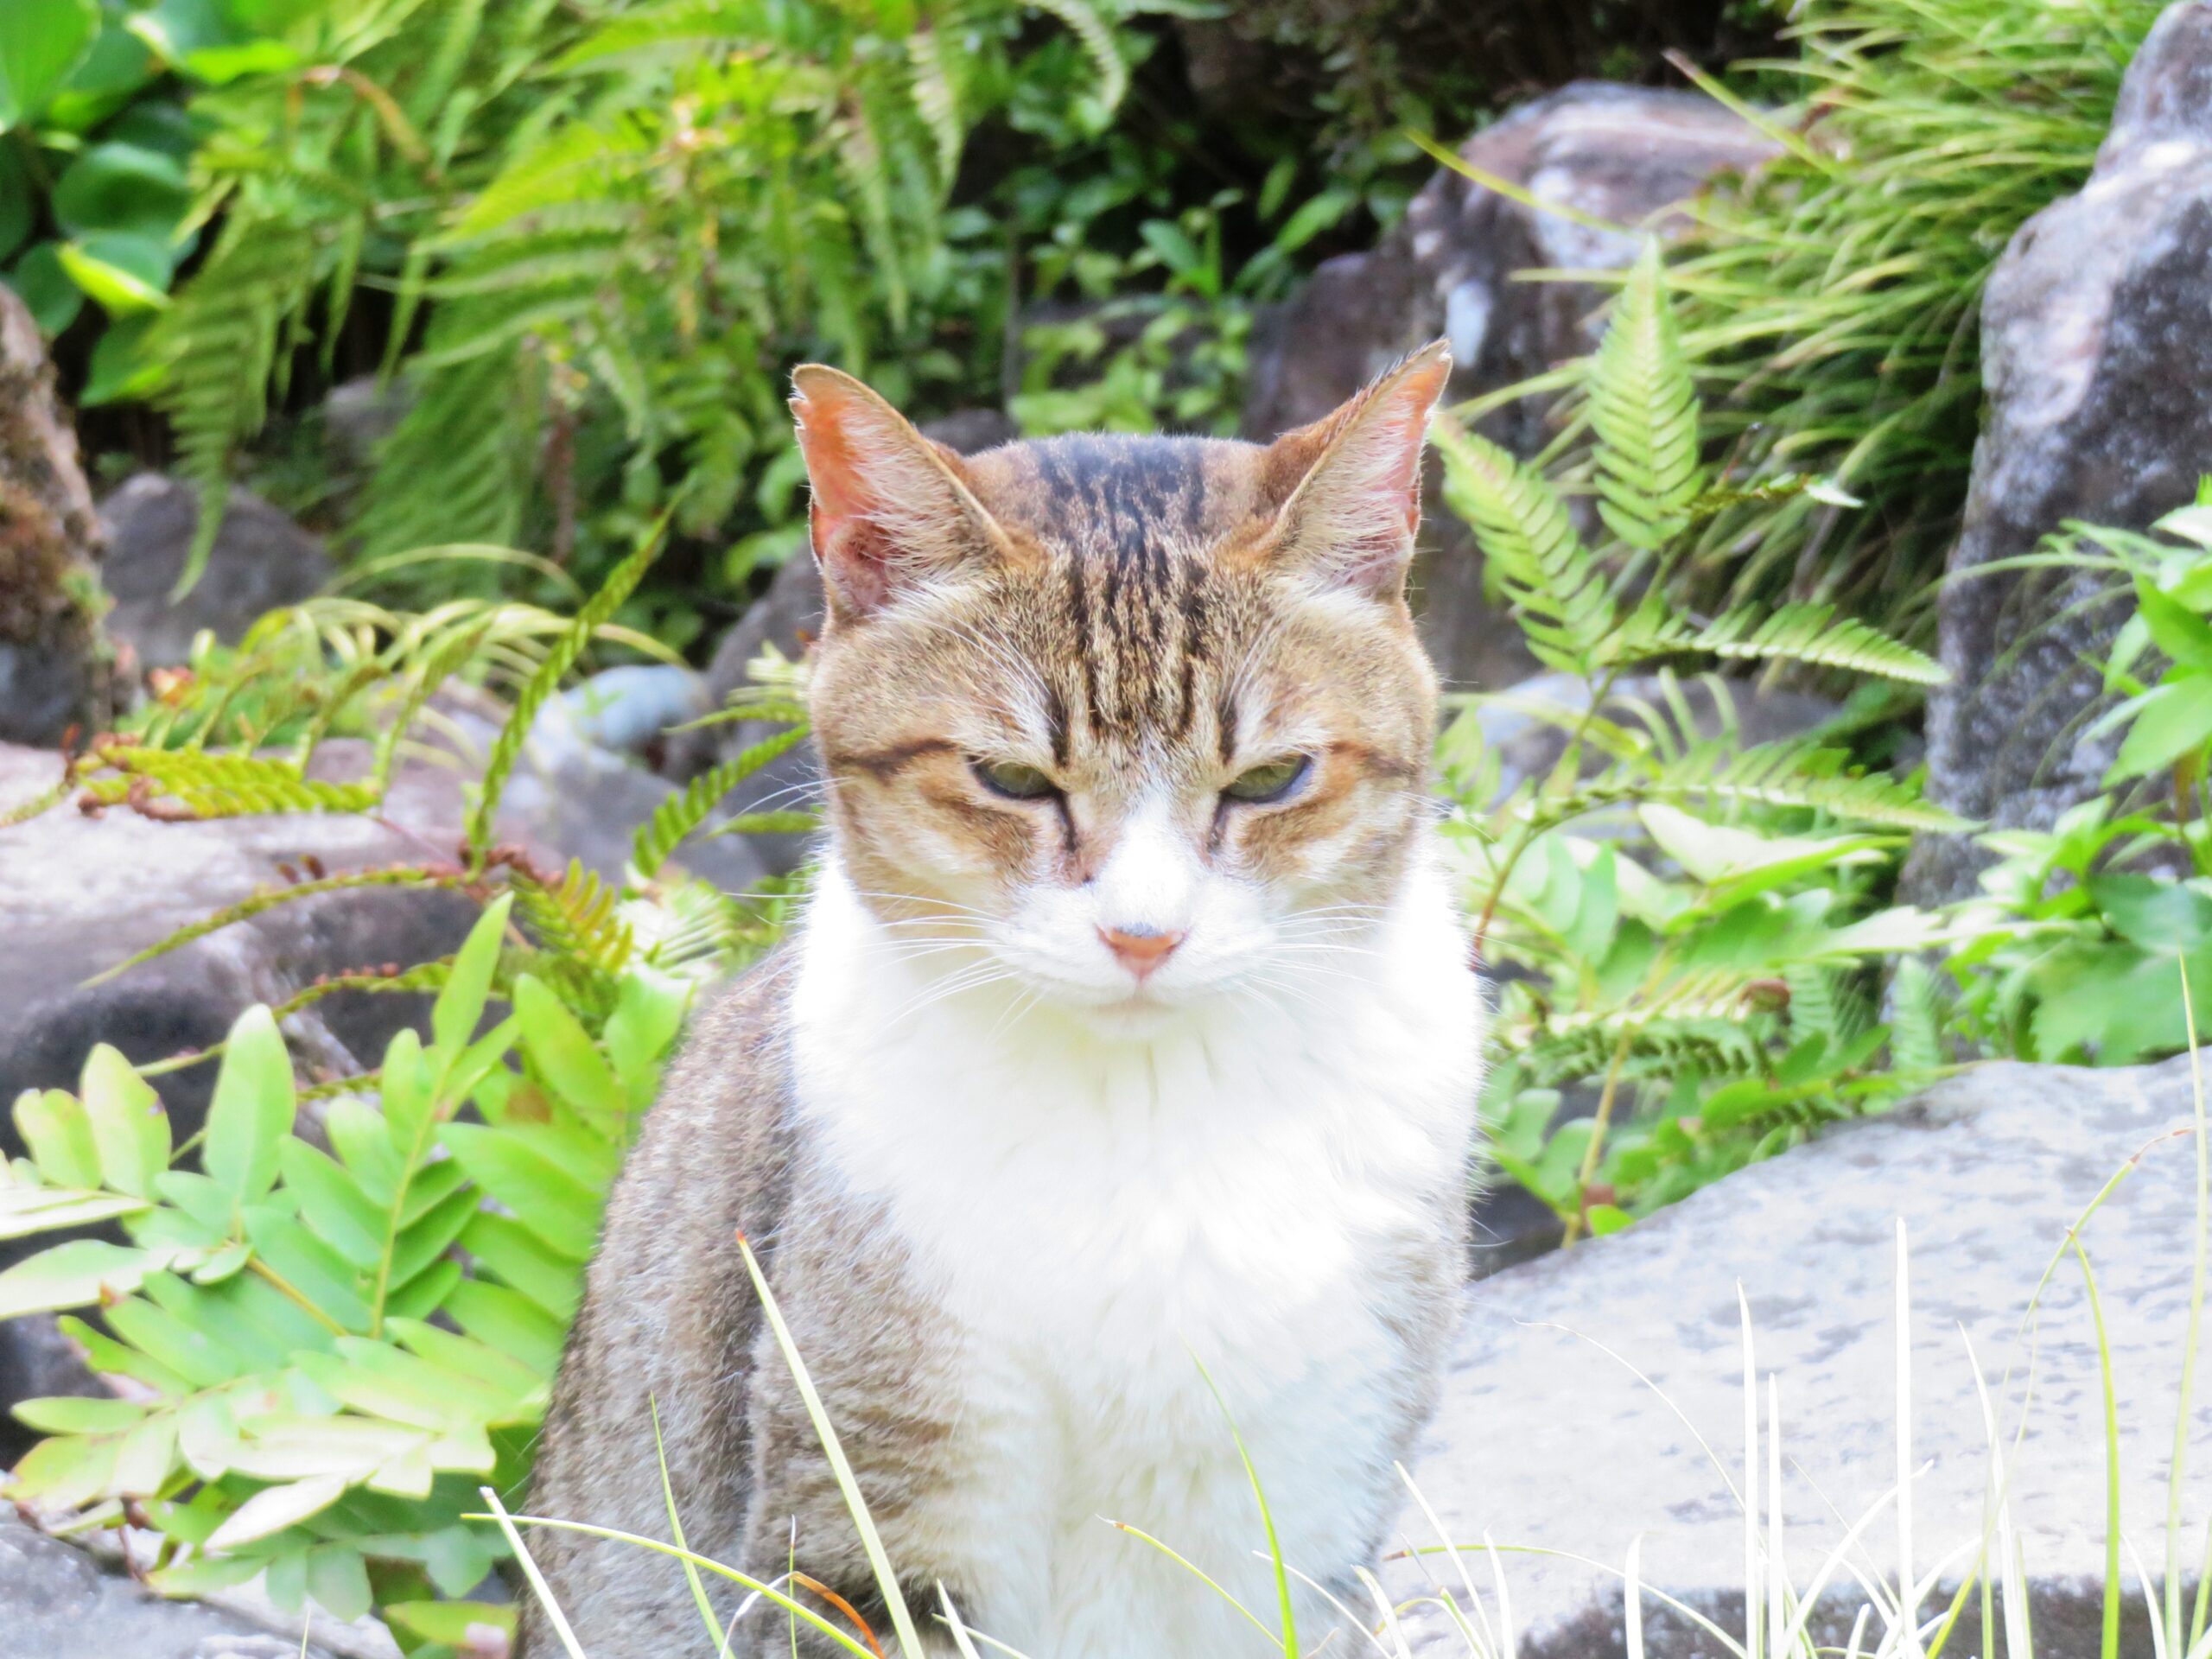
(879, 1559)
(2110, 1645)
(1908, 1588)
(2196, 1319)
(1632, 1600)
(1753, 1645)
(1777, 1565)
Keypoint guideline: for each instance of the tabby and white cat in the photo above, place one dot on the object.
(1130, 1031)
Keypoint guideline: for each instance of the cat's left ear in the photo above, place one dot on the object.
(891, 511)
(1349, 484)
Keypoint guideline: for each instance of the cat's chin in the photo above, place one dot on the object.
(1140, 1015)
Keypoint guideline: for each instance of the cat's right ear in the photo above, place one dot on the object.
(890, 510)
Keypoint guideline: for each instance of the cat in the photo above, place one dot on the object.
(1126, 1052)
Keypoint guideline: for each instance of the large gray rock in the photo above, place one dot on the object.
(52, 671)
(60, 1603)
(1627, 156)
(2097, 348)
(1548, 1441)
(79, 894)
(261, 560)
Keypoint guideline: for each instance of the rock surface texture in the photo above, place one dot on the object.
(1545, 1440)
(1627, 156)
(59, 1602)
(51, 675)
(2096, 339)
(261, 560)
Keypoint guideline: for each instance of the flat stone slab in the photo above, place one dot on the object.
(57, 1602)
(1545, 1440)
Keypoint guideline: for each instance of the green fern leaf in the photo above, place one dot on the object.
(935, 98)
(1526, 534)
(1644, 408)
(1915, 1020)
(1798, 634)
(193, 784)
(270, 898)
(680, 816)
(217, 346)
(506, 748)
(1097, 39)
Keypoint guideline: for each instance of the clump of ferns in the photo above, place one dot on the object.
(240, 734)
(601, 229)
(1674, 910)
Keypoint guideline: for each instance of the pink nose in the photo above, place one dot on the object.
(1139, 950)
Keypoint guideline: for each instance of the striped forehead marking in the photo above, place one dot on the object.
(1129, 518)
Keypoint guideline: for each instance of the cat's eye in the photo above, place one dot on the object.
(1270, 781)
(1014, 780)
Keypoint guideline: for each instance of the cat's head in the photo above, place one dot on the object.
(1132, 721)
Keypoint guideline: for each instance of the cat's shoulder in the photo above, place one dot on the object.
(731, 1079)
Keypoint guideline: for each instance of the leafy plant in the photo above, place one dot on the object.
(95, 199)
(1835, 294)
(335, 1335)
(1159, 336)
(1681, 919)
(1838, 292)
(340, 1311)
(604, 227)
(2078, 927)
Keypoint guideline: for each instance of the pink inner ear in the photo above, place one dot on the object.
(1371, 505)
(850, 546)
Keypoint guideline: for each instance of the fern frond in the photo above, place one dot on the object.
(1644, 408)
(1915, 1020)
(456, 468)
(577, 919)
(194, 784)
(1585, 1046)
(506, 748)
(1801, 772)
(423, 976)
(1525, 532)
(860, 156)
(1791, 772)
(681, 815)
(936, 98)
(1798, 634)
(270, 898)
(218, 344)
(1088, 27)
(44, 801)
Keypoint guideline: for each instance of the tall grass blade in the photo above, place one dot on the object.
(1777, 1565)
(879, 1560)
(1908, 1588)
(2110, 1647)
(2193, 1334)
(1290, 1639)
(1753, 1643)
(553, 1615)
(767, 1592)
(676, 1533)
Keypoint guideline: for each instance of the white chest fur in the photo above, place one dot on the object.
(1261, 1192)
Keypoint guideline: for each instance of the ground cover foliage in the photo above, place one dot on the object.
(587, 239)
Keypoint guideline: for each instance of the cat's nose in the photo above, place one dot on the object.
(1139, 950)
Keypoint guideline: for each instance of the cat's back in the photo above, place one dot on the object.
(668, 1321)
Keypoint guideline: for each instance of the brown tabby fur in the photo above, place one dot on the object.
(1170, 603)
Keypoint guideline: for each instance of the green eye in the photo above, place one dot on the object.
(1014, 781)
(1270, 782)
